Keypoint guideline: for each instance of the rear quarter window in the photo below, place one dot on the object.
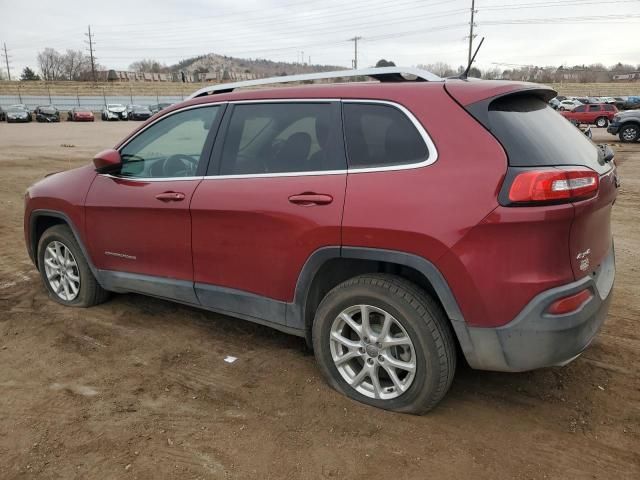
(380, 135)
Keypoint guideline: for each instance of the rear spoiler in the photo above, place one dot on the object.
(475, 97)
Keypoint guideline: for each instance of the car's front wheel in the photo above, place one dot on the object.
(383, 341)
(65, 271)
(629, 133)
(601, 122)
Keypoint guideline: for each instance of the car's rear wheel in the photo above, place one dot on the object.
(602, 122)
(629, 133)
(65, 271)
(383, 341)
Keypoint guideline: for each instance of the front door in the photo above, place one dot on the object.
(137, 219)
(274, 195)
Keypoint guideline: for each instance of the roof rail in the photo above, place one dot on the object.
(383, 74)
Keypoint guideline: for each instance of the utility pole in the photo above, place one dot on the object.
(355, 56)
(6, 59)
(471, 25)
(93, 60)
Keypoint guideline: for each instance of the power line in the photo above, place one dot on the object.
(93, 59)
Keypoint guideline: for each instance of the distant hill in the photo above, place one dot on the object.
(225, 68)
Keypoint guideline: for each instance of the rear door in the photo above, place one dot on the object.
(273, 196)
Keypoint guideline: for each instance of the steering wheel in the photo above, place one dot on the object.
(180, 165)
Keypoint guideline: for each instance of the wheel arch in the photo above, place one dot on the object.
(40, 221)
(330, 266)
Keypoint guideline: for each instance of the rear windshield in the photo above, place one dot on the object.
(534, 134)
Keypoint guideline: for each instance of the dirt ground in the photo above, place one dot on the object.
(138, 388)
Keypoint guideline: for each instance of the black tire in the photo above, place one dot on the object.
(423, 321)
(602, 122)
(562, 109)
(629, 133)
(90, 292)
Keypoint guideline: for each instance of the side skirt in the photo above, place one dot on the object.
(226, 301)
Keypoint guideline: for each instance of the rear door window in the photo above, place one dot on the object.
(379, 135)
(609, 108)
(594, 108)
(267, 138)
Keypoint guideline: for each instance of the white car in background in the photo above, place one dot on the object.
(569, 105)
(114, 111)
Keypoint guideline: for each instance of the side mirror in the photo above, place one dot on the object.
(107, 159)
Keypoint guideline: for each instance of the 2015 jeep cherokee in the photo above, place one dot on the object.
(391, 224)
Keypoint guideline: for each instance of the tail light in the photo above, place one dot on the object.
(552, 185)
(571, 303)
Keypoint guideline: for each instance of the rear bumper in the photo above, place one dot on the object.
(535, 339)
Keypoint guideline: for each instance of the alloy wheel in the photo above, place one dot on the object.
(373, 352)
(629, 134)
(62, 272)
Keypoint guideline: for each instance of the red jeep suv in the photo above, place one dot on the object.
(598, 114)
(392, 224)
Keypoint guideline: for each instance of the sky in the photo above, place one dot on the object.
(408, 32)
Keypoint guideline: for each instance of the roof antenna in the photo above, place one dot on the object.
(465, 74)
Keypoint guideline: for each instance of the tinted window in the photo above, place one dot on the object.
(381, 135)
(171, 147)
(608, 108)
(581, 108)
(280, 137)
(533, 134)
(594, 108)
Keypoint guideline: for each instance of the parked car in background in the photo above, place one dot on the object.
(555, 103)
(18, 114)
(23, 106)
(114, 111)
(632, 103)
(608, 100)
(47, 113)
(159, 106)
(568, 105)
(619, 102)
(598, 114)
(481, 248)
(80, 114)
(626, 125)
(138, 112)
(583, 100)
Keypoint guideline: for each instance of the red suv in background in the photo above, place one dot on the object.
(598, 114)
(354, 216)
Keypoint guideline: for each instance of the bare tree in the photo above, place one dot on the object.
(51, 64)
(439, 68)
(75, 63)
(148, 65)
